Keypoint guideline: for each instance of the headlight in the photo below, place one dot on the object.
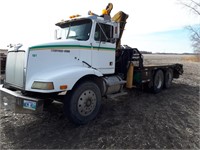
(42, 85)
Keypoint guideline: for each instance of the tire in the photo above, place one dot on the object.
(168, 78)
(83, 103)
(158, 81)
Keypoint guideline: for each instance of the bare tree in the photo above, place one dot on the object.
(194, 7)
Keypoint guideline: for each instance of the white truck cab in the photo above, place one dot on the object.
(83, 46)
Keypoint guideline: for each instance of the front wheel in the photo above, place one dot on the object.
(83, 104)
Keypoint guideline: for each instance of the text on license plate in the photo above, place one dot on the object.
(29, 105)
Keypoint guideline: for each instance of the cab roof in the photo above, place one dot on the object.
(92, 17)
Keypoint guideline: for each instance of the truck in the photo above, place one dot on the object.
(85, 63)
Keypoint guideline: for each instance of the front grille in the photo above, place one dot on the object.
(15, 69)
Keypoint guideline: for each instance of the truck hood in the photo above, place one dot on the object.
(60, 44)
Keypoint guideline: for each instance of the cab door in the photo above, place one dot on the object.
(103, 48)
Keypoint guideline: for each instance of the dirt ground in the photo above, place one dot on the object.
(139, 120)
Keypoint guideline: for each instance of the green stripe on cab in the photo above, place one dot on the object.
(46, 47)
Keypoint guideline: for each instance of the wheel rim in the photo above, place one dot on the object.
(87, 102)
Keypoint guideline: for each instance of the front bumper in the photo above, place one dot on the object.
(18, 103)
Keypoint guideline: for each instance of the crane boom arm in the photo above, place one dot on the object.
(121, 18)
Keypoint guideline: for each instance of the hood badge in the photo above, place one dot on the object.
(60, 50)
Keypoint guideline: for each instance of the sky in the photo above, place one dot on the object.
(153, 25)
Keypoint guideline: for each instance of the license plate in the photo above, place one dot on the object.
(29, 105)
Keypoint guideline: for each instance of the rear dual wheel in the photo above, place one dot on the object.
(158, 81)
(168, 78)
(162, 80)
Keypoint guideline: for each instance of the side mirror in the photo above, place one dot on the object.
(116, 31)
(57, 34)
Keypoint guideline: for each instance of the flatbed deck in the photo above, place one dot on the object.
(151, 75)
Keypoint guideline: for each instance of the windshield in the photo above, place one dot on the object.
(79, 30)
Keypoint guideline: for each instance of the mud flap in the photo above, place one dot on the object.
(178, 70)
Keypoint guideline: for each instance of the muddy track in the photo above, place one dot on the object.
(170, 119)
